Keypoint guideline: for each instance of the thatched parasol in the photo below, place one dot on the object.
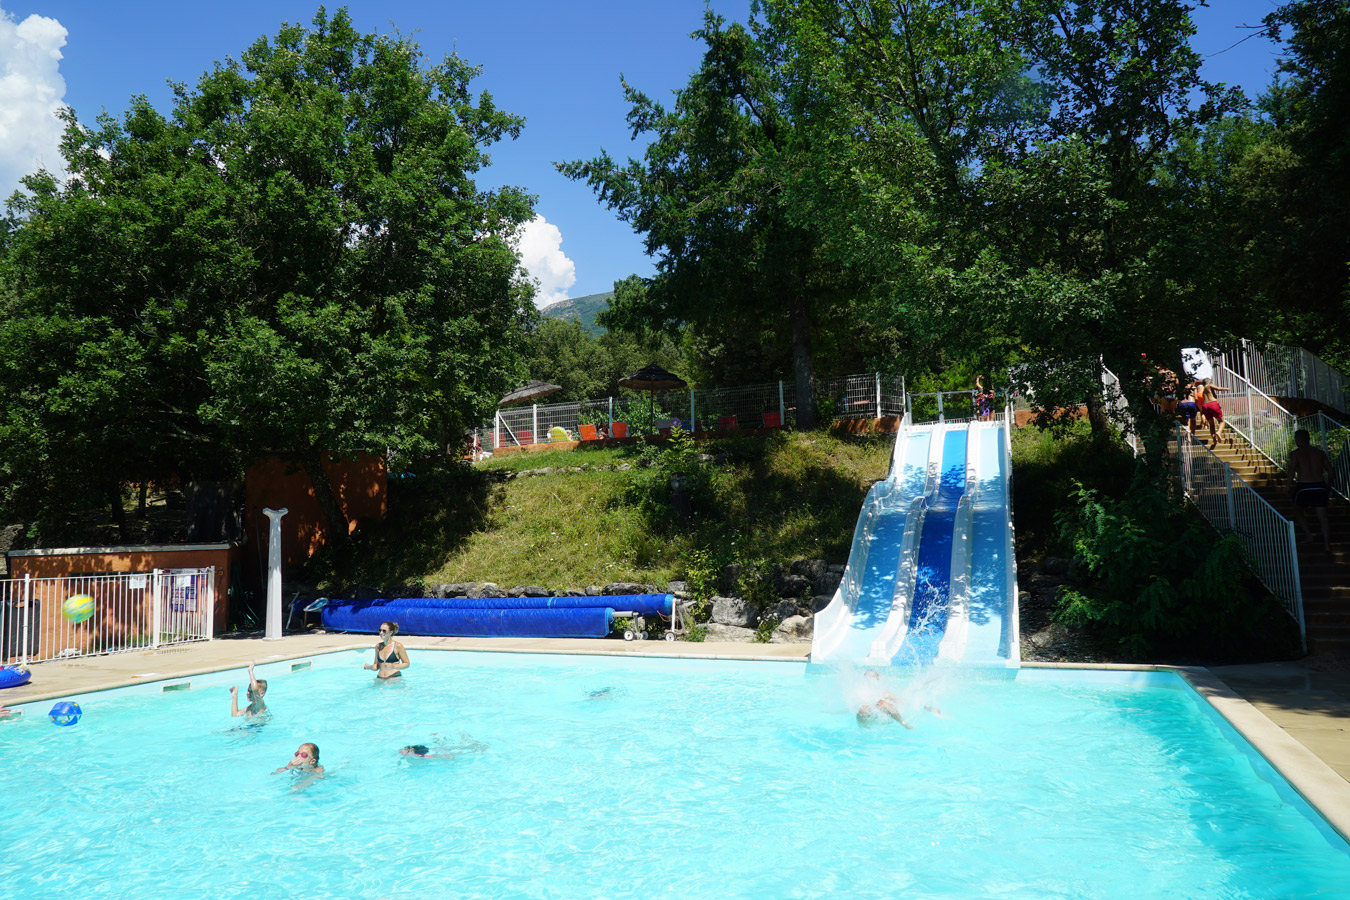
(529, 392)
(651, 379)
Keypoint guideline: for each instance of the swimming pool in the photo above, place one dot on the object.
(603, 777)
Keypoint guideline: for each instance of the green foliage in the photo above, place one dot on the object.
(589, 368)
(1158, 577)
(764, 629)
(296, 258)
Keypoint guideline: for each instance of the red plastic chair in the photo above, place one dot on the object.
(773, 420)
(524, 437)
(726, 423)
(619, 430)
(587, 432)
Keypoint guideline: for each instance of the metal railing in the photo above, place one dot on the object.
(1255, 415)
(768, 405)
(1280, 371)
(134, 611)
(1232, 506)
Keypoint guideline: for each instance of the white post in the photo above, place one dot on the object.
(156, 607)
(611, 417)
(782, 410)
(27, 607)
(1228, 491)
(274, 573)
(692, 420)
(210, 602)
(497, 430)
(878, 395)
(534, 424)
(941, 417)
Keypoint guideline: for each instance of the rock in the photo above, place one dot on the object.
(678, 588)
(732, 611)
(820, 601)
(715, 631)
(489, 591)
(730, 579)
(794, 630)
(808, 568)
(827, 583)
(835, 569)
(592, 590)
(368, 593)
(454, 590)
(1055, 565)
(619, 588)
(1041, 583)
(575, 592)
(529, 590)
(785, 609)
(622, 467)
(792, 585)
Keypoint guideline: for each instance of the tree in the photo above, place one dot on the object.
(588, 368)
(1007, 192)
(713, 198)
(296, 260)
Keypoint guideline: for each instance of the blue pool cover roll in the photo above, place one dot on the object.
(641, 604)
(593, 621)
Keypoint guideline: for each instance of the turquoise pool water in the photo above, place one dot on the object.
(597, 777)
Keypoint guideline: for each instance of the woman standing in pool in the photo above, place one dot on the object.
(390, 657)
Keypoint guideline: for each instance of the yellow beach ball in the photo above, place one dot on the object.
(78, 608)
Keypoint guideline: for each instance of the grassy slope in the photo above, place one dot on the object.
(777, 498)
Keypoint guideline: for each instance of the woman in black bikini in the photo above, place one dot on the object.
(390, 657)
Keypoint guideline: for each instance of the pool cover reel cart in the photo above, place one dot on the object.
(637, 630)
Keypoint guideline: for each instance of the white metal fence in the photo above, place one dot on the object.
(767, 405)
(1280, 371)
(135, 611)
(1233, 507)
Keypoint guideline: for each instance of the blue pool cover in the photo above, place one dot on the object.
(493, 617)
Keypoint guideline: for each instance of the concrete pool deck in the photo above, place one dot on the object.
(1298, 719)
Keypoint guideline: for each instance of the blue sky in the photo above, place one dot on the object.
(557, 64)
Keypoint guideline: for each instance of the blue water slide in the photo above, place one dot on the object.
(930, 574)
(887, 528)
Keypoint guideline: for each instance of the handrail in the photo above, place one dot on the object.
(1291, 371)
(1272, 441)
(1230, 504)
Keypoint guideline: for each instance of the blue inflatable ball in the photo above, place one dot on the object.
(78, 608)
(66, 713)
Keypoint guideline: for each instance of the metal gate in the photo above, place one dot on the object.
(132, 611)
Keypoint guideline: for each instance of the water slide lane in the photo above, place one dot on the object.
(990, 606)
(932, 585)
(877, 588)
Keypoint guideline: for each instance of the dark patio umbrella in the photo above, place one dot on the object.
(529, 392)
(651, 379)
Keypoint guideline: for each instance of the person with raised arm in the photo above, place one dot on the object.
(257, 689)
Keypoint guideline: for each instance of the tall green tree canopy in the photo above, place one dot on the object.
(296, 258)
(713, 198)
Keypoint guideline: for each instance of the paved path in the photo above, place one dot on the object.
(1299, 719)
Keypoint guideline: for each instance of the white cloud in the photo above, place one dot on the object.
(31, 92)
(541, 254)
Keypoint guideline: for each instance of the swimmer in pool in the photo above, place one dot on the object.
(390, 657)
(886, 706)
(257, 689)
(422, 751)
(305, 761)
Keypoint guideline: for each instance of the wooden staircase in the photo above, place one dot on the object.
(1324, 577)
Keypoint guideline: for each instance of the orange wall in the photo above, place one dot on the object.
(278, 482)
(62, 563)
